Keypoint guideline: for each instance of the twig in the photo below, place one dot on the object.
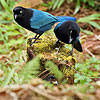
(89, 52)
(43, 72)
(44, 93)
(97, 37)
(12, 94)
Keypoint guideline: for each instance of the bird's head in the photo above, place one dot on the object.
(73, 31)
(19, 12)
(68, 32)
(22, 16)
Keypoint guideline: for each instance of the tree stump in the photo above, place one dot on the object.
(45, 47)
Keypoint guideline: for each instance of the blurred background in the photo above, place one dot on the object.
(13, 37)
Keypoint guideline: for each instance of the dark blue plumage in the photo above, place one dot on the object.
(68, 32)
(65, 18)
(42, 21)
(37, 21)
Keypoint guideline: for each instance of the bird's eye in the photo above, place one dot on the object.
(20, 12)
(71, 31)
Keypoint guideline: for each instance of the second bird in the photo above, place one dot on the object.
(68, 32)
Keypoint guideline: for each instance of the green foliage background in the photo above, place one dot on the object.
(13, 41)
(57, 3)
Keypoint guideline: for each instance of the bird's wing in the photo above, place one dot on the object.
(65, 18)
(40, 19)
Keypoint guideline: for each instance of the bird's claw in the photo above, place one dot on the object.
(34, 42)
(29, 40)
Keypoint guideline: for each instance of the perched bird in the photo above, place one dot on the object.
(52, 79)
(68, 32)
(37, 21)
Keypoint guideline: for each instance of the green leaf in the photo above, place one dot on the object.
(13, 42)
(94, 24)
(30, 70)
(87, 32)
(8, 78)
(91, 3)
(77, 75)
(3, 38)
(54, 69)
(55, 4)
(77, 6)
(60, 3)
(84, 1)
(4, 4)
(97, 67)
(89, 18)
(34, 64)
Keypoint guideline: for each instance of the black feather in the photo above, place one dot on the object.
(66, 30)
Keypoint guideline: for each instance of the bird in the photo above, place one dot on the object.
(52, 79)
(68, 32)
(37, 21)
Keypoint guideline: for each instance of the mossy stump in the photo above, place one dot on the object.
(60, 55)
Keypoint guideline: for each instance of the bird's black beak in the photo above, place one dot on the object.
(17, 11)
(15, 16)
(77, 45)
(14, 13)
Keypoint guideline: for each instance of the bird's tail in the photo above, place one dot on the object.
(65, 18)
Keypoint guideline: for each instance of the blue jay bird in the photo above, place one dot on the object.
(37, 21)
(68, 32)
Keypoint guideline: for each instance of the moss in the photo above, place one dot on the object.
(59, 55)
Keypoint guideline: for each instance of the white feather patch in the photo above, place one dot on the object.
(15, 16)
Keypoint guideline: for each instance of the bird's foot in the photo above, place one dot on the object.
(30, 39)
(36, 38)
(58, 44)
(31, 42)
(34, 42)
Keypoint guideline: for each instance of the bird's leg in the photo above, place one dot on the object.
(35, 39)
(35, 36)
(71, 52)
(30, 39)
